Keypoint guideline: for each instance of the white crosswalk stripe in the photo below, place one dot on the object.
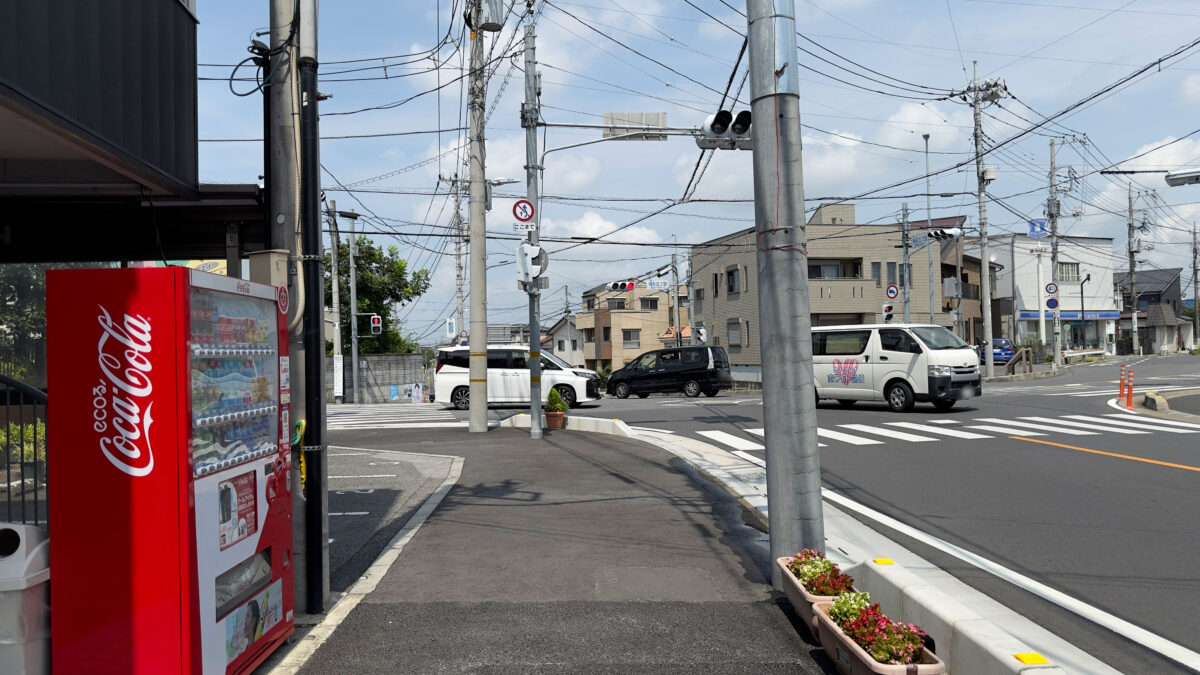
(941, 431)
(1005, 430)
(846, 438)
(1170, 423)
(900, 435)
(1132, 424)
(1039, 427)
(760, 432)
(391, 416)
(731, 440)
(1084, 425)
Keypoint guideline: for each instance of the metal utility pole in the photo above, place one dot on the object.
(477, 342)
(530, 112)
(312, 359)
(1133, 298)
(991, 93)
(458, 261)
(906, 269)
(338, 385)
(929, 226)
(353, 310)
(675, 301)
(789, 412)
(1041, 302)
(1052, 215)
(958, 285)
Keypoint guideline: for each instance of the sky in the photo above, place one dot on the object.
(876, 75)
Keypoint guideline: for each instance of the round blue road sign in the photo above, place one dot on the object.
(1052, 303)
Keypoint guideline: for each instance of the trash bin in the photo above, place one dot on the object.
(24, 600)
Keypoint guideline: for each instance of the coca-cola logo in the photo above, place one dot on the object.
(123, 354)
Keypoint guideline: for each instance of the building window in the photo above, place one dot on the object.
(650, 304)
(733, 331)
(733, 280)
(876, 274)
(562, 345)
(589, 334)
(891, 272)
(631, 338)
(591, 303)
(716, 285)
(608, 334)
(698, 301)
(615, 303)
(1068, 272)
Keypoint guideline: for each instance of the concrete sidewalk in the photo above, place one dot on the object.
(580, 553)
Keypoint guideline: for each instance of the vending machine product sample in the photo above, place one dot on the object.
(172, 472)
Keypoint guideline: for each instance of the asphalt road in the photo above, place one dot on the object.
(1085, 498)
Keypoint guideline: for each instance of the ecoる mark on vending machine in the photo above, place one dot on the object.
(171, 502)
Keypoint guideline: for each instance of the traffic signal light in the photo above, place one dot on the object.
(376, 324)
(948, 233)
(724, 131)
(531, 262)
(887, 312)
(621, 286)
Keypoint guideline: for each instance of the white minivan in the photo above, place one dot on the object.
(896, 363)
(508, 377)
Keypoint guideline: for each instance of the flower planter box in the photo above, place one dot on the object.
(851, 659)
(802, 601)
(554, 420)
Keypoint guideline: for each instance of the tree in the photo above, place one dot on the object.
(382, 281)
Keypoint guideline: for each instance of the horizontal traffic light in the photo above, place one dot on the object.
(621, 286)
(948, 233)
(725, 131)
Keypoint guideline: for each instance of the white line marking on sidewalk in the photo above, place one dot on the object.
(1133, 425)
(731, 440)
(887, 433)
(370, 475)
(846, 438)
(1005, 430)
(316, 637)
(657, 431)
(1084, 425)
(1119, 626)
(935, 430)
(1039, 427)
(1157, 420)
(750, 458)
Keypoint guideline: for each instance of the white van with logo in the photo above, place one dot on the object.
(508, 377)
(900, 364)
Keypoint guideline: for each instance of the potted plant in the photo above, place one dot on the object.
(556, 410)
(861, 640)
(809, 577)
(26, 444)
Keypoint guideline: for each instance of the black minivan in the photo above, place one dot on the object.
(692, 370)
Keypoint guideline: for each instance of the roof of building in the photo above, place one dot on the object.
(1149, 280)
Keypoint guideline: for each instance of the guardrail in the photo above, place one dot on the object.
(23, 475)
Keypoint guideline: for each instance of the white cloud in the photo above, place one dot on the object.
(1191, 88)
(591, 224)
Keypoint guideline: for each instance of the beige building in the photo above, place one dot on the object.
(850, 267)
(617, 326)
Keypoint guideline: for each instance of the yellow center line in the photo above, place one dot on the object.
(1110, 454)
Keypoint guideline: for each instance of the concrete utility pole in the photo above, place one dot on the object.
(1041, 303)
(929, 226)
(1133, 298)
(477, 342)
(991, 93)
(353, 310)
(1195, 290)
(458, 261)
(1052, 215)
(530, 112)
(675, 301)
(906, 268)
(338, 393)
(789, 409)
(958, 284)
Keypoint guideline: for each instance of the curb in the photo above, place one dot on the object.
(970, 642)
(1155, 402)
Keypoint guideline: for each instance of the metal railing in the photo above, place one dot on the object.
(23, 474)
(1024, 358)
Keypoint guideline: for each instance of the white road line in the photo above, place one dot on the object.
(846, 438)
(1120, 626)
(1039, 427)
(750, 458)
(942, 422)
(348, 454)
(657, 431)
(763, 432)
(1136, 391)
(1084, 425)
(400, 425)
(1133, 425)
(370, 475)
(888, 433)
(936, 430)
(731, 440)
(1005, 430)
(351, 513)
(1157, 420)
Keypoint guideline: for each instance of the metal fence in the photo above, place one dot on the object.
(23, 474)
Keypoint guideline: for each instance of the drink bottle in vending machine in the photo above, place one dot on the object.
(172, 473)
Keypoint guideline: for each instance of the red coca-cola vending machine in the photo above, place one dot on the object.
(171, 502)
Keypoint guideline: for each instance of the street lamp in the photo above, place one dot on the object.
(1082, 313)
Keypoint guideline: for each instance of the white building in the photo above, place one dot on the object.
(565, 341)
(1085, 284)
